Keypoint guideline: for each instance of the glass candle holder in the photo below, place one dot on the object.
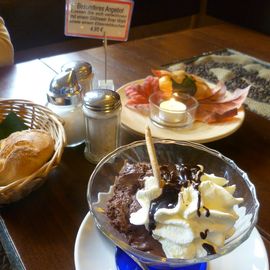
(175, 111)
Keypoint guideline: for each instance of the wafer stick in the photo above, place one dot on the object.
(152, 155)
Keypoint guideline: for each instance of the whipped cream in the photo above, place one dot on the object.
(197, 223)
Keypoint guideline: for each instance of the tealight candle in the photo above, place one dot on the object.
(172, 111)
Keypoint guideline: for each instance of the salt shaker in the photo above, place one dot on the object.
(84, 73)
(64, 99)
(102, 110)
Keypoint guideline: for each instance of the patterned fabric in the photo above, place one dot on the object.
(238, 70)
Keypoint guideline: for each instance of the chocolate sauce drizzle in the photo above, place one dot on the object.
(176, 177)
(199, 205)
(207, 213)
(204, 234)
(209, 249)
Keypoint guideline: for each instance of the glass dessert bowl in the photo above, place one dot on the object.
(167, 151)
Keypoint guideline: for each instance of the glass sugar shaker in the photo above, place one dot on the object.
(64, 99)
(84, 74)
(102, 113)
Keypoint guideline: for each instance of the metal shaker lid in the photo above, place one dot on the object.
(102, 100)
(82, 69)
(64, 89)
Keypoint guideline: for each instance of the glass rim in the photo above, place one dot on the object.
(195, 103)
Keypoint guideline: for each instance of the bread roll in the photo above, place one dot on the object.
(24, 152)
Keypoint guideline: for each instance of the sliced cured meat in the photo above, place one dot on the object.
(140, 93)
(223, 107)
(206, 116)
(218, 93)
(141, 108)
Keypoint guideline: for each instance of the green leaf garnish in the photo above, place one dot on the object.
(10, 124)
(187, 86)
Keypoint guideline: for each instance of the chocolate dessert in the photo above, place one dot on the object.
(123, 202)
(187, 214)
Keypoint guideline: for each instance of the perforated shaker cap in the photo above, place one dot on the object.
(102, 100)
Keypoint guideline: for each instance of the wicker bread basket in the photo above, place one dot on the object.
(35, 117)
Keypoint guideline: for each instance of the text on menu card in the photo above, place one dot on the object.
(96, 18)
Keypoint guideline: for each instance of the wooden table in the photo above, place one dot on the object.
(39, 231)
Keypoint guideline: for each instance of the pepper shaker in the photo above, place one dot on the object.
(83, 72)
(102, 110)
(64, 99)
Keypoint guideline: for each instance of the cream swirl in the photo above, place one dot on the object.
(194, 223)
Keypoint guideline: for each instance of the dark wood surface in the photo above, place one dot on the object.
(43, 226)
